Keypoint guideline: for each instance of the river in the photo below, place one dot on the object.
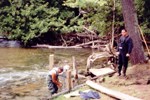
(21, 60)
(20, 66)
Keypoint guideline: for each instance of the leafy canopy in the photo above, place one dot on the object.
(26, 20)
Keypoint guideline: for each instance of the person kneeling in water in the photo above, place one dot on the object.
(53, 81)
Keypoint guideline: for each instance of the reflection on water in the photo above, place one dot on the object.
(31, 59)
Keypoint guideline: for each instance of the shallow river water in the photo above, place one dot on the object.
(23, 64)
(23, 71)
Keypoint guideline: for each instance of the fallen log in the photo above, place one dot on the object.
(63, 47)
(87, 44)
(110, 92)
(54, 47)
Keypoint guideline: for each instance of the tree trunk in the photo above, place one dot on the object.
(131, 24)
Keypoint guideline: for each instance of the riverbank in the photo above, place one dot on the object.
(136, 84)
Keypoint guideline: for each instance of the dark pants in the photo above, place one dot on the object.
(52, 86)
(123, 61)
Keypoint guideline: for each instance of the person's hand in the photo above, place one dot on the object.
(59, 85)
(127, 55)
(117, 53)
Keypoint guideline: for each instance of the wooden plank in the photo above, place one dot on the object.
(102, 71)
(110, 92)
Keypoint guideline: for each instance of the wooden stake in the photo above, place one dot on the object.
(68, 79)
(144, 40)
(72, 83)
(51, 61)
(75, 70)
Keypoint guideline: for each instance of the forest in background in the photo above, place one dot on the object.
(49, 21)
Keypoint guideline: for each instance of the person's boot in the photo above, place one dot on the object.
(124, 72)
(119, 73)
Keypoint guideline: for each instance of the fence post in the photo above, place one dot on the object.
(75, 70)
(68, 79)
(51, 61)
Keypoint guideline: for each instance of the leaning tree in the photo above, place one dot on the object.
(131, 24)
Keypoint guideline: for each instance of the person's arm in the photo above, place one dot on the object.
(130, 46)
(55, 80)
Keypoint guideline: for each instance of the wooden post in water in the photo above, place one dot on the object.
(75, 70)
(51, 61)
(75, 73)
(68, 79)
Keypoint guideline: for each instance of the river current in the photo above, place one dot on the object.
(19, 64)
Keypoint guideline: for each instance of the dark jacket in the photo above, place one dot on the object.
(125, 45)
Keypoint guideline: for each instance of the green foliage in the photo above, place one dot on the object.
(98, 13)
(28, 19)
(143, 13)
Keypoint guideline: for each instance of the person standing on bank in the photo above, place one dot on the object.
(124, 49)
(52, 80)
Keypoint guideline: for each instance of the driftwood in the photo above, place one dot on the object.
(55, 47)
(107, 52)
(96, 56)
(90, 44)
(115, 94)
